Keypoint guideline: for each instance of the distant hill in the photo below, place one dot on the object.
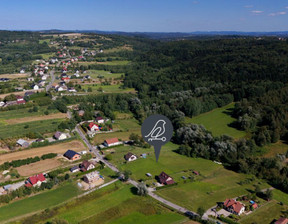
(175, 35)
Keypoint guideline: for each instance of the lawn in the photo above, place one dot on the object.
(217, 121)
(116, 204)
(19, 130)
(266, 214)
(38, 202)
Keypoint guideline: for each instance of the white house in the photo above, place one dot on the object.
(2, 103)
(93, 127)
(130, 157)
(22, 71)
(112, 142)
(62, 88)
(99, 120)
(60, 136)
(35, 87)
(44, 77)
(30, 79)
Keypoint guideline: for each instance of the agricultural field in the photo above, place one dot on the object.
(55, 148)
(38, 167)
(122, 130)
(19, 130)
(217, 121)
(268, 213)
(101, 206)
(29, 205)
(36, 118)
(14, 76)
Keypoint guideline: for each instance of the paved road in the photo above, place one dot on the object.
(48, 87)
(133, 182)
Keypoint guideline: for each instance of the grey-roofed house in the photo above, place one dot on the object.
(22, 143)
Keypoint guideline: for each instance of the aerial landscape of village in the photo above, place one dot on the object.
(74, 102)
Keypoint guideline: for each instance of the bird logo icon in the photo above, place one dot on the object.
(157, 131)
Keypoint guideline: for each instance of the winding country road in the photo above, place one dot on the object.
(133, 182)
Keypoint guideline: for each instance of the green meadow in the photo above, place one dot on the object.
(115, 203)
(107, 74)
(217, 121)
(38, 202)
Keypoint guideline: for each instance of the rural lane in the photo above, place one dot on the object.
(133, 182)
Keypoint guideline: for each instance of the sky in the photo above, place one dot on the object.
(145, 15)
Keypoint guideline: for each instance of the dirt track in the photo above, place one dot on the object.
(57, 148)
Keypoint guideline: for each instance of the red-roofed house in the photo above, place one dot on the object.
(20, 100)
(93, 127)
(65, 79)
(282, 221)
(254, 206)
(112, 142)
(234, 206)
(165, 179)
(35, 180)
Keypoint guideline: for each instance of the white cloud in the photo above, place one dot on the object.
(277, 13)
(248, 6)
(286, 7)
(257, 12)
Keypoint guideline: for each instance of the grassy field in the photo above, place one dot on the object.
(116, 204)
(114, 63)
(266, 214)
(273, 149)
(38, 202)
(95, 73)
(109, 89)
(214, 184)
(18, 130)
(217, 122)
(122, 128)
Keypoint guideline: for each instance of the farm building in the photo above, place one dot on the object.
(130, 157)
(234, 206)
(35, 180)
(72, 155)
(112, 142)
(20, 100)
(86, 165)
(93, 127)
(59, 135)
(165, 179)
(22, 143)
(99, 120)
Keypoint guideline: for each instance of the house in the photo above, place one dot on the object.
(35, 87)
(59, 135)
(41, 83)
(81, 113)
(282, 221)
(93, 127)
(44, 77)
(91, 177)
(130, 157)
(65, 79)
(99, 120)
(62, 88)
(2, 103)
(234, 206)
(35, 180)
(29, 93)
(20, 100)
(112, 142)
(72, 155)
(74, 169)
(72, 90)
(86, 165)
(254, 205)
(165, 179)
(30, 79)
(22, 71)
(22, 143)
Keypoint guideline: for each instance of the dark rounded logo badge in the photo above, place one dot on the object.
(157, 130)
